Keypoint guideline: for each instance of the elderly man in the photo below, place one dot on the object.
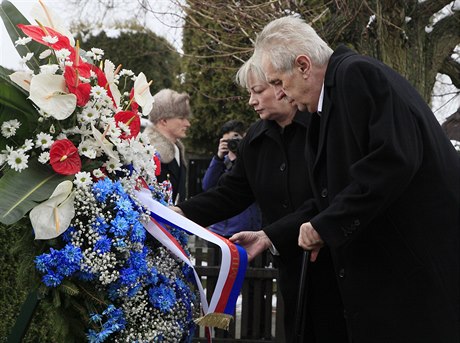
(386, 180)
(170, 116)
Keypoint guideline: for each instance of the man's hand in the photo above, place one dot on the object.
(222, 150)
(254, 242)
(309, 239)
(177, 210)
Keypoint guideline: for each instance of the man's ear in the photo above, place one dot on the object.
(303, 64)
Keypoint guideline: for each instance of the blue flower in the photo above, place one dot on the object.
(72, 254)
(124, 204)
(100, 226)
(120, 226)
(137, 233)
(51, 279)
(152, 277)
(67, 235)
(102, 189)
(43, 262)
(103, 244)
(128, 276)
(162, 297)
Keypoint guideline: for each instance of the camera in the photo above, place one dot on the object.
(232, 144)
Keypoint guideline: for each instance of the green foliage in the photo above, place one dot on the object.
(139, 51)
(21, 191)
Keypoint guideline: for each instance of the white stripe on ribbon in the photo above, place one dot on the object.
(145, 197)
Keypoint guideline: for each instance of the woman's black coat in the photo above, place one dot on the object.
(271, 170)
(387, 181)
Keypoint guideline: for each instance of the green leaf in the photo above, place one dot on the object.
(22, 191)
(14, 98)
(11, 18)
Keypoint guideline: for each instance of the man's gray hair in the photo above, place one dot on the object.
(168, 103)
(251, 66)
(283, 39)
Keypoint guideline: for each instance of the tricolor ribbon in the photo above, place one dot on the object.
(220, 310)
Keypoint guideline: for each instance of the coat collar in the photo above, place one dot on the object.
(272, 129)
(339, 55)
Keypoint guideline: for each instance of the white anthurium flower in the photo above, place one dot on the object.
(109, 71)
(103, 142)
(142, 93)
(48, 92)
(22, 79)
(47, 17)
(52, 217)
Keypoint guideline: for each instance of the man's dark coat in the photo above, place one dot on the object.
(271, 170)
(387, 181)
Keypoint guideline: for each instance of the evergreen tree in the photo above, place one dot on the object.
(139, 50)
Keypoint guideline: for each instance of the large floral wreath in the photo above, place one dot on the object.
(72, 156)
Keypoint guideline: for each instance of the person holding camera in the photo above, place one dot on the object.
(231, 134)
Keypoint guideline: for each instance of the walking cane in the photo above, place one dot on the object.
(301, 300)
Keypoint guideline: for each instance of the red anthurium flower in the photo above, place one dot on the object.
(37, 33)
(75, 86)
(134, 105)
(64, 157)
(156, 159)
(132, 120)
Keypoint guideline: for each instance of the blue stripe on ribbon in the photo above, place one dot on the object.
(235, 292)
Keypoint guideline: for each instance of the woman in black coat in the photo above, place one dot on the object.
(271, 170)
(387, 184)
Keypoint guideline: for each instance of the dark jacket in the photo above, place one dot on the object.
(271, 170)
(387, 181)
(248, 220)
(170, 169)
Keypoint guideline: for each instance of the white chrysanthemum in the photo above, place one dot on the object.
(49, 68)
(98, 173)
(98, 92)
(50, 39)
(28, 144)
(45, 54)
(112, 165)
(17, 160)
(88, 148)
(9, 128)
(82, 179)
(22, 41)
(44, 140)
(27, 57)
(44, 157)
(97, 51)
(126, 72)
(88, 115)
(62, 54)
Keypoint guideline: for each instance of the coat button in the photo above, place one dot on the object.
(324, 193)
(283, 166)
(284, 203)
(342, 273)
